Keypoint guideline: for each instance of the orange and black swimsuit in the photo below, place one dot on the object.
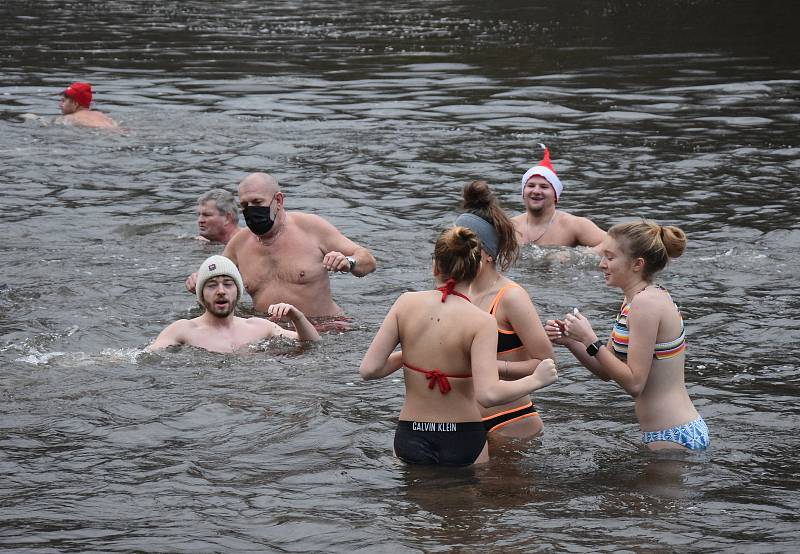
(440, 443)
(507, 341)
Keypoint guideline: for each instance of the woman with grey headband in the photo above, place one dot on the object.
(521, 340)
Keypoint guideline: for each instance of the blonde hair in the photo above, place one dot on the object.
(457, 254)
(648, 240)
(478, 199)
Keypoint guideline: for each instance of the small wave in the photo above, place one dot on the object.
(580, 257)
(83, 359)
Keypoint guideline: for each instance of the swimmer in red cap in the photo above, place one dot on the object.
(75, 102)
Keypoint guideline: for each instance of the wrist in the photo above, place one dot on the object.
(352, 263)
(593, 348)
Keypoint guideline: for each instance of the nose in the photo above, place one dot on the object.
(219, 288)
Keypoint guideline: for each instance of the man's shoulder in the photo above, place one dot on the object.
(93, 118)
(311, 223)
(306, 219)
(239, 239)
(180, 327)
(568, 220)
(257, 327)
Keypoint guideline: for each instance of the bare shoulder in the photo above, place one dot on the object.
(481, 320)
(516, 291)
(579, 220)
(310, 222)
(584, 231)
(236, 244)
(182, 325)
(410, 297)
(650, 300)
(567, 218)
(259, 323)
(176, 332)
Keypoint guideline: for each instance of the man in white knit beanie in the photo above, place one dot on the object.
(219, 287)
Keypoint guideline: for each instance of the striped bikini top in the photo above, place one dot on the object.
(662, 350)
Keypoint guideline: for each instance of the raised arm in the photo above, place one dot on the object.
(489, 389)
(632, 373)
(524, 320)
(304, 330)
(336, 248)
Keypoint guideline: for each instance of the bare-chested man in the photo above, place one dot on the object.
(74, 104)
(287, 255)
(217, 216)
(219, 287)
(541, 223)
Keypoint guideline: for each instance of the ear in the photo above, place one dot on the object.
(435, 268)
(638, 264)
(278, 200)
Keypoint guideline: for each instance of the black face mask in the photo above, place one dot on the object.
(258, 218)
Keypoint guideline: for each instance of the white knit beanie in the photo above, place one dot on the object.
(215, 266)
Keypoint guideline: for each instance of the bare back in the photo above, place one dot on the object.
(440, 335)
(90, 118)
(288, 268)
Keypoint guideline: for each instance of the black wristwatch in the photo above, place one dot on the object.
(352, 261)
(594, 348)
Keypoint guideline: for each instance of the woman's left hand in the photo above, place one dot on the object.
(578, 328)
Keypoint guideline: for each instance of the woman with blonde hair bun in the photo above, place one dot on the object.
(646, 353)
(448, 355)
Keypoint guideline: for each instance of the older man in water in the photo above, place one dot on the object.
(217, 216)
(541, 223)
(287, 255)
(219, 287)
(74, 104)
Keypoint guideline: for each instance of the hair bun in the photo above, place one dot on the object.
(674, 240)
(477, 195)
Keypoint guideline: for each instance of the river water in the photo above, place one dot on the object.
(373, 115)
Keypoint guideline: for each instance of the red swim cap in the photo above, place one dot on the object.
(80, 92)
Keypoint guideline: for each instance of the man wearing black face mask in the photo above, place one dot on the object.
(286, 256)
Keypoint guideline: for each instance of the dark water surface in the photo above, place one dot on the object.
(373, 114)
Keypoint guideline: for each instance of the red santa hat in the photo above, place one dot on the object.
(545, 169)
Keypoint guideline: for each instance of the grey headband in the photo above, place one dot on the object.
(483, 229)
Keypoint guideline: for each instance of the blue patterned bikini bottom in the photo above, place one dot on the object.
(692, 435)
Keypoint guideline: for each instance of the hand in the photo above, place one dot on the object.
(546, 372)
(555, 331)
(335, 261)
(578, 328)
(191, 282)
(281, 310)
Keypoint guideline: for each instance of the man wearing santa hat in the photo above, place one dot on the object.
(541, 223)
(75, 102)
